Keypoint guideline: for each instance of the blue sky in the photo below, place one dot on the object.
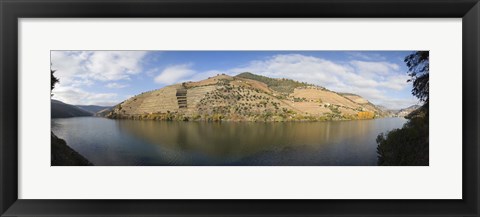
(109, 77)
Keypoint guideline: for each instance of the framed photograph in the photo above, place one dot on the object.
(251, 108)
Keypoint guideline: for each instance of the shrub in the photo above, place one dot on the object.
(365, 115)
(407, 146)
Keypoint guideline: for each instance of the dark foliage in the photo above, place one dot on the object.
(409, 146)
(418, 66)
(53, 80)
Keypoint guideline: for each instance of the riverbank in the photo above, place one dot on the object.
(264, 117)
(63, 155)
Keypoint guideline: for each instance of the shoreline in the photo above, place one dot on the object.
(235, 121)
(63, 155)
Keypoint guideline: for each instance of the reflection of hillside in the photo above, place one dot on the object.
(237, 140)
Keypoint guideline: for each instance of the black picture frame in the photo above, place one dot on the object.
(12, 10)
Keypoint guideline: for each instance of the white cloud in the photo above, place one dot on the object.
(180, 73)
(111, 65)
(371, 69)
(77, 96)
(174, 74)
(79, 69)
(116, 85)
(297, 67)
(395, 82)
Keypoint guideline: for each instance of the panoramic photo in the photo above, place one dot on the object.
(239, 108)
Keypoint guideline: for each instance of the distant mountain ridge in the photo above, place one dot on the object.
(406, 111)
(63, 110)
(400, 112)
(93, 108)
(245, 97)
(60, 109)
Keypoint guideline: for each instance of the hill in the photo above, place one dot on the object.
(283, 85)
(103, 113)
(63, 110)
(245, 97)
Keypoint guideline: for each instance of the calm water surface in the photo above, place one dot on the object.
(134, 142)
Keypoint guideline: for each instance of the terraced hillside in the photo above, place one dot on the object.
(245, 97)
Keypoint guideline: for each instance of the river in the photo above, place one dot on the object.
(109, 142)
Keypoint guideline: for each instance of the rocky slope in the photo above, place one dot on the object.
(245, 97)
(103, 112)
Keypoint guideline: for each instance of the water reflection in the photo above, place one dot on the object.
(130, 142)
